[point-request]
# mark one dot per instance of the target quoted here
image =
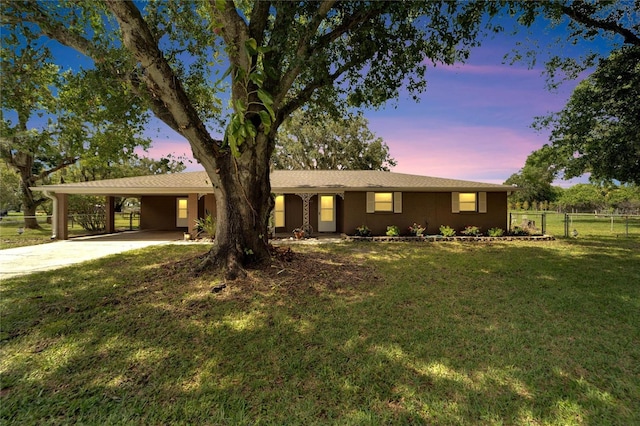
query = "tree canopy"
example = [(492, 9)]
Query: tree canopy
[(598, 131), (320, 141), (51, 118), (282, 56), (534, 180)]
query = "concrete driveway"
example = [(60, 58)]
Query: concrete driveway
[(25, 260)]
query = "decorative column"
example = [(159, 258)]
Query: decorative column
[(306, 197)]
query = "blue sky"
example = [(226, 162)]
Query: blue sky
[(474, 120)]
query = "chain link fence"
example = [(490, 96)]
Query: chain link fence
[(123, 221), (575, 224)]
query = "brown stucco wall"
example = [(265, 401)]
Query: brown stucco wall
[(433, 208), (293, 219), (158, 212)]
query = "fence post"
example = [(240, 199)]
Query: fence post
[(566, 225), (626, 221), (544, 224), (510, 219), (130, 221)]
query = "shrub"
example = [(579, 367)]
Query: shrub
[(206, 225), (88, 212), (495, 232), (471, 231), (519, 232), (363, 231), (393, 231), (417, 230), (447, 231)]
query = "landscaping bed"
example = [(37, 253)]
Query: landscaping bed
[(438, 238)]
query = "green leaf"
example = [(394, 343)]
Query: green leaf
[(265, 97), (240, 106), (252, 46), (265, 117), (257, 77), (267, 101), (250, 128)]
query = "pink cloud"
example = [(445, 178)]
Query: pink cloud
[(457, 150)]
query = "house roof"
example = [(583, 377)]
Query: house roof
[(282, 181)]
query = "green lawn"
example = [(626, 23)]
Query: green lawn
[(448, 333), (587, 225), (9, 236)]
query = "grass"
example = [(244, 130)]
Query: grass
[(10, 238), (501, 333), (587, 225)]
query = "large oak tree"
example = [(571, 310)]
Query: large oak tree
[(281, 56), (319, 141), (598, 131), (52, 118)]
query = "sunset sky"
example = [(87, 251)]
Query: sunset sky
[(473, 122)]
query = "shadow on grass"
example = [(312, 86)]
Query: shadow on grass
[(452, 334)]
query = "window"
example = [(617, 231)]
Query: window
[(182, 208), (278, 211), (467, 201), (384, 202)]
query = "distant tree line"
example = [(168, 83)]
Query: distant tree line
[(582, 198)]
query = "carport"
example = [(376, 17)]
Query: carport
[(192, 191)]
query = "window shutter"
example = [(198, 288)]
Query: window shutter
[(397, 202), (371, 202), (455, 202), (482, 202)]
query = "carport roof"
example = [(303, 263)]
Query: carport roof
[(282, 181)]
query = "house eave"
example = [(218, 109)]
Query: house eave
[(139, 191), (133, 191), (333, 189)]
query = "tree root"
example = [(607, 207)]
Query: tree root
[(223, 261)]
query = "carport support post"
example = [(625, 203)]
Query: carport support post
[(61, 217), (192, 213), (110, 227)]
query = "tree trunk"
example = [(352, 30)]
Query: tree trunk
[(243, 203), (24, 164), (30, 221)]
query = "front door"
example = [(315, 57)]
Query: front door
[(327, 213), (182, 213)]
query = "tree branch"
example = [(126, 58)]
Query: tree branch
[(305, 94), (58, 31), (65, 163), (259, 19), (162, 84), (578, 16), (303, 51)]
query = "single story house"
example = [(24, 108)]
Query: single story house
[(326, 200)]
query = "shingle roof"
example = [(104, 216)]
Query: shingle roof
[(283, 181)]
